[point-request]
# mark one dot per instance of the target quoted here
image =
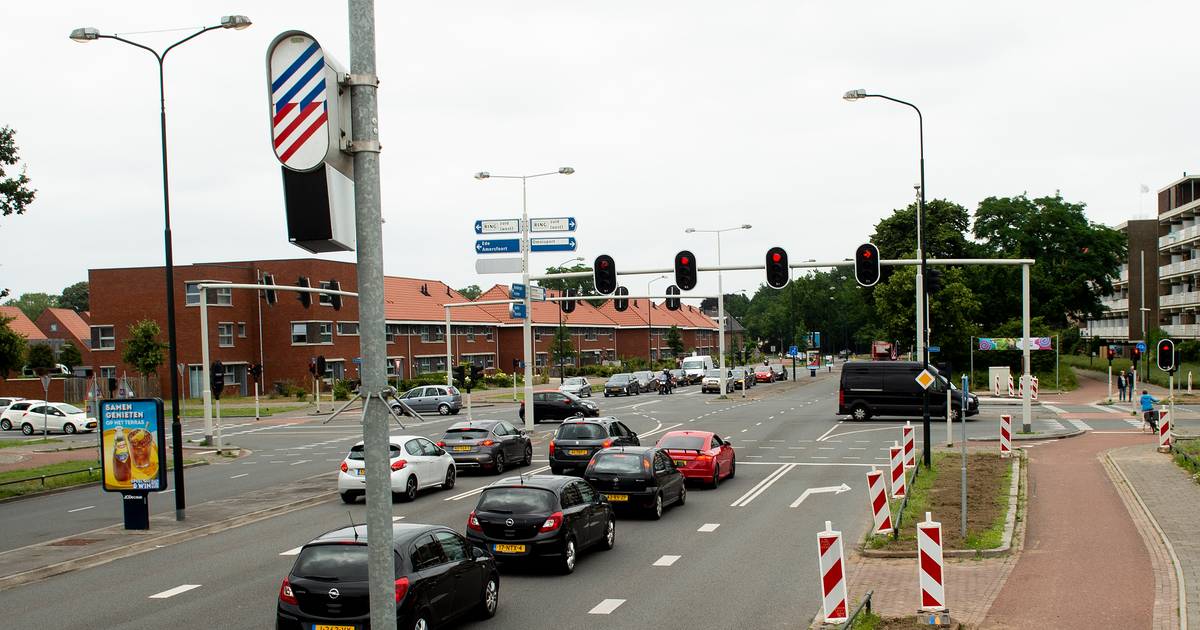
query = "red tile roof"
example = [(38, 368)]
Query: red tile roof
[(697, 317), (631, 318), (68, 320), (21, 324), (546, 312), (404, 302)]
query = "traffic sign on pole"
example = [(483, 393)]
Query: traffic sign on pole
[(516, 311), (497, 226), (552, 224), (537, 294), (498, 246), (552, 244), (498, 265), (517, 291), (793, 351)]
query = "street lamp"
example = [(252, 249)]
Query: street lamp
[(922, 296), (720, 298), (650, 322), (562, 376), (89, 34), (526, 325)]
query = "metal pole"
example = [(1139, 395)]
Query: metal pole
[(562, 375), (1057, 387), (527, 324), (720, 318), (218, 425), (1027, 394), (256, 415), (923, 323), (205, 374), (381, 568), (449, 354), (950, 415), (963, 456)]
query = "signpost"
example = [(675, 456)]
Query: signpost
[(557, 244), (933, 349), (552, 224), (537, 293), (133, 451), (497, 226), (45, 405), (517, 311), (517, 291), (925, 379), (498, 246)]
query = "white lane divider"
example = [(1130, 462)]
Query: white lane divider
[(182, 588), (1057, 410), (292, 552), (709, 527), (660, 429), (762, 486), (606, 607), (831, 430), (666, 561), (397, 518), (303, 461), (470, 493), (80, 509), (240, 476)]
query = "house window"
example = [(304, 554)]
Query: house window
[(225, 335), (53, 327), (392, 331), (537, 334), (391, 365), (470, 334), (590, 334), (325, 299), (426, 365), (482, 360), (350, 329), (312, 333), (103, 338), (324, 332), (107, 372), (242, 330), (216, 297), (489, 332), (299, 333), (432, 333)]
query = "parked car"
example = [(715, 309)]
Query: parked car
[(577, 439), (416, 463), (443, 399), (680, 378), (646, 382), (781, 373), (440, 577), (492, 444), (56, 417), (890, 388), (14, 412), (622, 385), (751, 381), (740, 378), (541, 517), (59, 370), (712, 382), (4, 403), (697, 366), (558, 405), (577, 385), (637, 477), (764, 374), (701, 455)]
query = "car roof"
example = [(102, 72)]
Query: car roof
[(401, 533), (553, 483), (707, 434), (474, 424), (396, 439), (633, 450), (586, 420)]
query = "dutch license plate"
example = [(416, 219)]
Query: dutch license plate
[(360, 471), (461, 449), (329, 627), (680, 463), (499, 548), (577, 451), (616, 498)]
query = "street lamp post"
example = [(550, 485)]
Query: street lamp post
[(526, 325), (562, 376), (650, 323), (720, 299), (922, 295), (89, 34)]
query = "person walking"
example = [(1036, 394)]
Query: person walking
[(1121, 386), (1149, 415)]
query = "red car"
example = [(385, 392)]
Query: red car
[(764, 374), (700, 455)]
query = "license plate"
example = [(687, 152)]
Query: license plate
[(681, 463), (461, 449), (577, 451), (329, 627), (509, 548), (616, 498), (360, 471)]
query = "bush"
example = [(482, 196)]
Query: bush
[(341, 389)]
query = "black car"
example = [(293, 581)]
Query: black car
[(890, 388), (558, 405), (547, 517), (491, 444), (622, 384), (577, 439), (640, 477), (679, 378), (439, 577)]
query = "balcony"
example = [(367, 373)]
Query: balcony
[(1112, 304), (1123, 275), (1182, 331), (1187, 298), (1105, 331), (1179, 237), (1179, 268)]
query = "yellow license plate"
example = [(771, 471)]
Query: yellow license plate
[(328, 627), (681, 463), (616, 498), (360, 471), (509, 548), (460, 449), (577, 451)]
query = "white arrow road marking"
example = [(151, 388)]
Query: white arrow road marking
[(471, 493), (834, 489), (709, 527), (182, 588), (666, 561), (762, 486), (651, 402), (607, 606)]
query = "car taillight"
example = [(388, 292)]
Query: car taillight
[(551, 447), (703, 458), (841, 398), (473, 523), (345, 468), (441, 443), (285, 593), (607, 443), (552, 523), (488, 442), (399, 464), (401, 589)]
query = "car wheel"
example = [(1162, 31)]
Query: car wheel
[(956, 415), (605, 395), (27, 429), (610, 535), (567, 563), (443, 409), (638, 392), (410, 489), (498, 464), (732, 467), (716, 478), (657, 511), (449, 482), (349, 497), (68, 428), (556, 470), (6, 425), (491, 598), (528, 455), (682, 495), (860, 412), (421, 621)]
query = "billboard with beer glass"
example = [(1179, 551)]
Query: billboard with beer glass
[(133, 445)]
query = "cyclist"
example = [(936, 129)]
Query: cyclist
[(1148, 413)]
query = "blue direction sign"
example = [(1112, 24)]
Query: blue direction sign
[(552, 244), (517, 291), (498, 246), (497, 226), (933, 349), (516, 311), (552, 224)]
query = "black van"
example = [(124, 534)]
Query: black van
[(890, 388)]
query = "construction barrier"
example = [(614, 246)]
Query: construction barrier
[(908, 439), (833, 574), (1005, 436), (1010, 386), (897, 453), (1021, 387), (881, 510), (930, 567), (996, 386), (1164, 430), (1033, 391)]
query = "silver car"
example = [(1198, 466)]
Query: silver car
[(577, 385), (444, 399)]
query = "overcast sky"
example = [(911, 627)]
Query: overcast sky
[(673, 113)]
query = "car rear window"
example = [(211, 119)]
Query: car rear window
[(617, 463), (620, 378), (65, 408), (332, 563), (527, 500), (683, 442), (356, 452), (581, 431), (466, 434)]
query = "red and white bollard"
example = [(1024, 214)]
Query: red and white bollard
[(833, 574), (930, 568), (1164, 430), (898, 478), (908, 439), (1033, 391), (1005, 436), (1010, 386), (996, 386), (1021, 387), (881, 510)]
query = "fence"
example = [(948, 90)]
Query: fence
[(89, 470), (74, 389)]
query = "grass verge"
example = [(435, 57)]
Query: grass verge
[(20, 443), (61, 481), (1187, 456), (242, 412)]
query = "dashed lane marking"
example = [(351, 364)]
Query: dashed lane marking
[(182, 588), (709, 527), (666, 561), (303, 461), (470, 493), (606, 607), (293, 551), (80, 509), (240, 476)]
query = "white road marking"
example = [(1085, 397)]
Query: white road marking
[(182, 588), (660, 429), (607, 606), (303, 461), (397, 518), (709, 527), (831, 430), (762, 486), (1080, 424), (834, 489), (666, 561), (471, 493), (1054, 409), (643, 404), (856, 448), (797, 448), (292, 552), (1055, 424), (80, 509), (241, 475), (1106, 408)]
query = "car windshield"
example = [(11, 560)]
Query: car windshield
[(465, 434), (65, 408), (712, 373), (581, 431), (739, 372), (576, 381), (332, 563), (526, 500), (683, 442), (763, 371), (356, 452), (620, 378), (693, 364), (617, 463)]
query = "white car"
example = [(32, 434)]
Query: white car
[(577, 385), (14, 411), (5, 401), (416, 463), (55, 416)]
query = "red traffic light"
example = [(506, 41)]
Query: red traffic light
[(1166, 347), (684, 260), (604, 264), (866, 254), (775, 257)]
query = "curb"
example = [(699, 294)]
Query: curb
[(1025, 438), (60, 490)]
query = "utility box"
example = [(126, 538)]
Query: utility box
[(998, 380)]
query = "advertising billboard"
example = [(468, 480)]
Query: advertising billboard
[(133, 445)]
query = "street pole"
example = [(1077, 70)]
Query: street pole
[(1027, 394), (205, 375), (381, 570), (720, 317), (449, 354), (963, 456), (650, 323), (527, 324)]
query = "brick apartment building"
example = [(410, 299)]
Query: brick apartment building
[(61, 326)]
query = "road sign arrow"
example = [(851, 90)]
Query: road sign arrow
[(834, 489), (479, 227), (571, 224), (478, 245)]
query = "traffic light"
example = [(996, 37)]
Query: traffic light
[(933, 281), (1166, 355), (685, 271), (217, 379), (335, 300), (866, 264), (621, 303), (604, 274), (476, 377), (256, 371), (567, 306), (271, 295), (672, 302), (460, 375), (778, 273), (305, 298), (1135, 355), (1112, 354)]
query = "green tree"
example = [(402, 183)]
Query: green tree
[(40, 358), (143, 350), (470, 292), (946, 226), (953, 313), (75, 297), (69, 355), (33, 304), (561, 348), (15, 193), (675, 341), (12, 349)]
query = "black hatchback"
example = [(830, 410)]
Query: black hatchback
[(548, 517), (439, 577), (639, 477), (577, 439)]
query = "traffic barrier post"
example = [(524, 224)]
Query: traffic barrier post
[(1010, 386), (930, 567), (833, 574), (881, 510), (1021, 387), (898, 480), (1005, 436), (909, 441), (1033, 391), (1164, 430), (996, 386)]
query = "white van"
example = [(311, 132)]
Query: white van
[(695, 367)]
